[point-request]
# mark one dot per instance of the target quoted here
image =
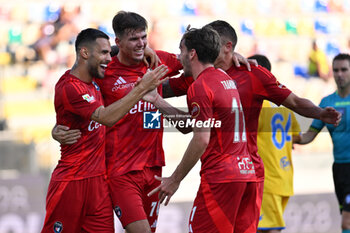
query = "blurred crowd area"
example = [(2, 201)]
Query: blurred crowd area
[(37, 46)]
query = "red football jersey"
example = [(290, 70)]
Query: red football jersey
[(179, 85), (213, 98), (75, 101), (254, 87), (129, 146)]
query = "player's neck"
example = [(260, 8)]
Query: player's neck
[(198, 68), (81, 73), (225, 63), (127, 61), (344, 92)]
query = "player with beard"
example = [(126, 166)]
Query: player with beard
[(78, 199), (134, 154)]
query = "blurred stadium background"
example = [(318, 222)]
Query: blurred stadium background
[(37, 46)]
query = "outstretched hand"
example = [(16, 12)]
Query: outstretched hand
[(166, 189), (153, 78), (330, 116)]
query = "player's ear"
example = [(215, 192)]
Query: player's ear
[(192, 54), (117, 41), (228, 47), (84, 52)]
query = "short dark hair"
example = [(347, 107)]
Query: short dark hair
[(88, 36), (342, 56), (206, 42), (114, 50), (225, 30), (262, 60), (124, 22)]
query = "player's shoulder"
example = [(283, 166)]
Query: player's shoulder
[(163, 55), (71, 85), (198, 85), (210, 79), (261, 72), (67, 79), (113, 64), (66, 85), (242, 72), (329, 98), (332, 95), (212, 75), (72, 81)]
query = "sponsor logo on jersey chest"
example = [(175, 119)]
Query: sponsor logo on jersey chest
[(120, 83)]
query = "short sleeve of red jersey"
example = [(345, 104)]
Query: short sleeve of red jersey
[(79, 100), (170, 60), (200, 102), (180, 85), (267, 86)]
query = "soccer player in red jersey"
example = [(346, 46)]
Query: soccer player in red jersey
[(254, 87), (78, 199), (134, 154), (227, 187)]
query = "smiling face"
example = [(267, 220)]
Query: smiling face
[(132, 46), (341, 72), (99, 58)]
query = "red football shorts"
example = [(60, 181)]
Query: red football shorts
[(79, 206), (129, 196), (218, 206), (248, 217)]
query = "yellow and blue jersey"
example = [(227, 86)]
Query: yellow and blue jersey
[(277, 125)]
